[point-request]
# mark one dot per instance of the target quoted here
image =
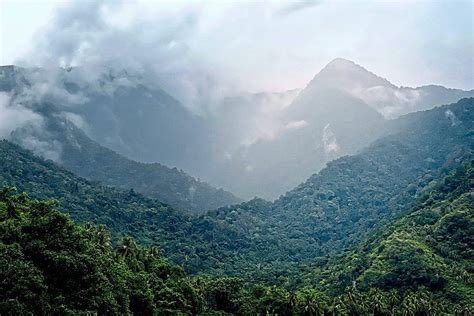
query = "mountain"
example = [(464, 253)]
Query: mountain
[(118, 109), (332, 210), (418, 264), (86, 158), (380, 94), (250, 144), (339, 112), (431, 248), (58, 137), (355, 195)]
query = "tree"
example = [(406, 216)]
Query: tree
[(128, 247), (312, 302)]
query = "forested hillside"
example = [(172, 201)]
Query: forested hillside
[(430, 248), (352, 197), (420, 265), (355, 195), (123, 212)]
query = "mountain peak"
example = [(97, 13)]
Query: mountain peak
[(340, 62), (347, 75)]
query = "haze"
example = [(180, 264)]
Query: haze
[(264, 46)]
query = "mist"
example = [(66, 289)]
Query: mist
[(218, 90), (295, 157)]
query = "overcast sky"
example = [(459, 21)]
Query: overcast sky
[(271, 46)]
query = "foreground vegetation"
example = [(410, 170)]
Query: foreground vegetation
[(420, 265), (388, 231)]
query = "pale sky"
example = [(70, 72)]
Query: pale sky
[(271, 46)]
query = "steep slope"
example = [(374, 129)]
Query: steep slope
[(348, 190), (430, 247), (86, 158), (182, 237), (250, 144), (58, 134), (343, 109), (354, 195)]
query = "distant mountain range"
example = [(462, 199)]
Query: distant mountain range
[(338, 113), (59, 138), (250, 144)]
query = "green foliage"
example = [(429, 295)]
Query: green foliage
[(428, 250), (50, 265), (403, 218), (352, 197), (200, 243)]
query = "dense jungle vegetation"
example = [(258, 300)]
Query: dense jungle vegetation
[(386, 231), (420, 265)]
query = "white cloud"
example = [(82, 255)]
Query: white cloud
[(391, 102), (256, 48), (14, 116), (452, 117), (329, 140), (295, 125), (48, 149)]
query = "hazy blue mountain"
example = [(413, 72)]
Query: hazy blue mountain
[(84, 157), (119, 110), (60, 137), (336, 114), (250, 144), (388, 99)]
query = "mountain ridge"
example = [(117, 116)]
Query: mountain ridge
[(88, 159), (263, 241), (243, 142)]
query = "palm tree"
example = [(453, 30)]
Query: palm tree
[(128, 247), (355, 301), (377, 300), (292, 300), (339, 307), (392, 300), (99, 235), (426, 302), (313, 303), (103, 237), (410, 304), (155, 252)]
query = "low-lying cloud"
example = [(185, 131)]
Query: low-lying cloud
[(155, 46), (14, 115)]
